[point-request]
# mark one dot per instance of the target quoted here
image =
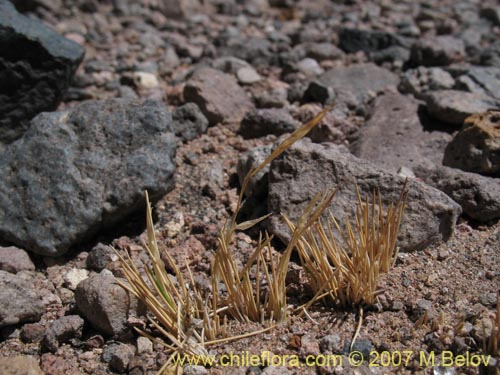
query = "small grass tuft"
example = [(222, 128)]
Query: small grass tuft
[(348, 273)]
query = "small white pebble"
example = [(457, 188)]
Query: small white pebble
[(74, 276)]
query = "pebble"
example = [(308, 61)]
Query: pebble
[(309, 67), (248, 75), (74, 276)]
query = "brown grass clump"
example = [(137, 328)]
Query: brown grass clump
[(181, 313), (491, 344), (246, 299), (347, 273), (187, 318)]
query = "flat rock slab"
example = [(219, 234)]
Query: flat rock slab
[(36, 66), (76, 172), (453, 107), (360, 80), (20, 302), (307, 168), (395, 137), (218, 95)]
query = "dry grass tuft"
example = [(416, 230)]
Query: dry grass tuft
[(181, 313), (491, 345), (247, 298), (348, 273), (190, 320)]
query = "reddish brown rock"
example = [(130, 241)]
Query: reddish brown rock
[(218, 95)]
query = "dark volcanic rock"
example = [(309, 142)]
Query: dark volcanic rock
[(354, 40), (20, 302), (78, 171), (362, 81), (476, 147), (106, 305), (453, 107), (420, 81), (437, 51), (218, 95), (262, 122), (36, 66), (308, 168), (62, 330), (189, 121)]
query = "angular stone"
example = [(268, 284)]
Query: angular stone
[(189, 121), (476, 147), (483, 80), (360, 80), (453, 107), (62, 330), (308, 168), (106, 305), (354, 40), (479, 196), (437, 51), (36, 66), (261, 122), (20, 302), (14, 260), (218, 95), (394, 138), (420, 81), (79, 171)]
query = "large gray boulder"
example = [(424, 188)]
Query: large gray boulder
[(79, 171), (307, 168), (36, 66)]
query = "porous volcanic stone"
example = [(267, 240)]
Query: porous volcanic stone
[(36, 66), (189, 121), (476, 147), (78, 171), (307, 168), (218, 95), (20, 302), (354, 40)]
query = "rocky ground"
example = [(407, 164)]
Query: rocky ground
[(180, 98)]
